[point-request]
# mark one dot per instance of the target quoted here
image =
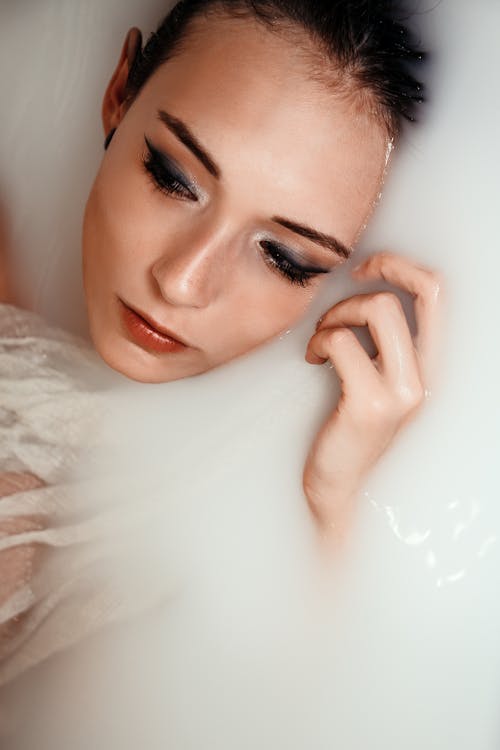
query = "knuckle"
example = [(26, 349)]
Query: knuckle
[(382, 257), (386, 302), (431, 280), (338, 336), (411, 397), (385, 256), (435, 283)]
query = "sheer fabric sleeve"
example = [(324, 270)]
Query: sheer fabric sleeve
[(66, 535)]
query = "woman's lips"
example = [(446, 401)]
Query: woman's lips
[(146, 334)]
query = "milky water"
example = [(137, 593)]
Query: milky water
[(394, 644)]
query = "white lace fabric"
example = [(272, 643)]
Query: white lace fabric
[(51, 403)]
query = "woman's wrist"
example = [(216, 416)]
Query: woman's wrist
[(331, 501)]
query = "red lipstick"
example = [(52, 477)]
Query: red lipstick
[(147, 335)]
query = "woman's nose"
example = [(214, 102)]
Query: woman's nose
[(191, 271)]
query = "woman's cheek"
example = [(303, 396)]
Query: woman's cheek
[(124, 217), (264, 308)]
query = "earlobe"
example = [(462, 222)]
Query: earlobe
[(113, 104)]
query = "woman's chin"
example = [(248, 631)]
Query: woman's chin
[(142, 366)]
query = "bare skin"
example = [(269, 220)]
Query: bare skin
[(194, 262), (379, 395)]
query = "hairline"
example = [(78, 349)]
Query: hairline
[(322, 67)]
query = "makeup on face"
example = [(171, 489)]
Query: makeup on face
[(227, 197), (166, 174), (168, 177), (144, 333)]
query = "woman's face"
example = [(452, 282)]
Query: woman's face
[(232, 180)]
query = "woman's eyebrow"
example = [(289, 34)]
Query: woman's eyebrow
[(185, 135), (326, 240)]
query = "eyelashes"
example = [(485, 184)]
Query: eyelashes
[(166, 177), (277, 258)]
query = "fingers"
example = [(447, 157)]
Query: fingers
[(383, 313), (424, 284), (352, 364)]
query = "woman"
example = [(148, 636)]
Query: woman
[(246, 147)]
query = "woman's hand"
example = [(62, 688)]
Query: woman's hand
[(378, 395)]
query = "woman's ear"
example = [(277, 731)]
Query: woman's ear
[(113, 104)]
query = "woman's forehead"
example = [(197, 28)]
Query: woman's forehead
[(241, 71), (266, 121)]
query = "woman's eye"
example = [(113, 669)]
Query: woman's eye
[(165, 176), (276, 257)]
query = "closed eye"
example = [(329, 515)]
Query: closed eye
[(169, 179), (277, 257), (165, 174)]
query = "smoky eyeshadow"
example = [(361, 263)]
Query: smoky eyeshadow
[(169, 166), (294, 258)]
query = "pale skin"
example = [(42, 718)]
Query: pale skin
[(378, 396), (194, 262)]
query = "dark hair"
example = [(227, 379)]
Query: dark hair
[(369, 51)]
